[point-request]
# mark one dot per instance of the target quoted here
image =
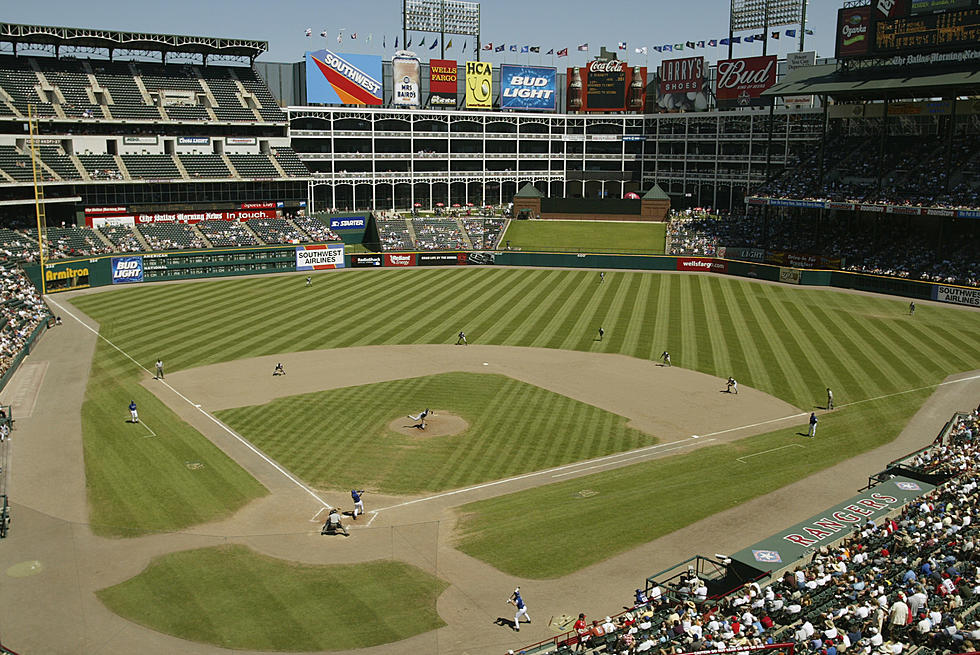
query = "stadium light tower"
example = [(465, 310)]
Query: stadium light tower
[(442, 17), (763, 14)]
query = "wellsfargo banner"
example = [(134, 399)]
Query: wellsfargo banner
[(740, 82), (443, 82), (343, 79), (704, 264)]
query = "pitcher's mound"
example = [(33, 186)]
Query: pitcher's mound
[(439, 423)]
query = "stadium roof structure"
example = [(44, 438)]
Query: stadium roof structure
[(933, 81), (77, 37)]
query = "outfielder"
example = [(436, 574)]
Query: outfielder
[(830, 398), (518, 602), (132, 412), (309, 281)]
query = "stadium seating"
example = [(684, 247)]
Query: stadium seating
[(254, 166), (205, 166), (171, 236), (277, 230), (315, 228), (71, 242), (21, 312), (101, 167), (290, 162), (483, 233), (222, 234), (151, 167), (394, 235), (122, 238), (437, 234), (59, 162), (16, 246)]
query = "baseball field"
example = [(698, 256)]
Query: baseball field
[(539, 424)]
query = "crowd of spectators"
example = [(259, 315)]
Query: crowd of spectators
[(437, 234), (865, 246), (954, 456), (227, 234), (21, 311), (316, 228), (906, 584)]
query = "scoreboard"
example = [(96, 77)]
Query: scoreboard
[(955, 30)]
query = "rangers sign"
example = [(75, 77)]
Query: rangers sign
[(320, 257), (740, 82)]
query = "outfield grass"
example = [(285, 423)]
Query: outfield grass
[(514, 428), (587, 236), (235, 598), (139, 481), (634, 505), (787, 341)]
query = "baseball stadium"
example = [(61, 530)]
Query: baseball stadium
[(374, 354)]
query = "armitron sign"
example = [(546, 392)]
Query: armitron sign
[(740, 82)]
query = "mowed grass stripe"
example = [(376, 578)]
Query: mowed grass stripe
[(660, 321), (621, 298), (634, 314), (587, 317), (721, 360), (531, 307)]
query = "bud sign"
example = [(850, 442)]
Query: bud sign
[(528, 88), (740, 82), (127, 269)]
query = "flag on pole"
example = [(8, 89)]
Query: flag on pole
[(736, 39), (396, 43), (488, 46), (760, 37), (550, 52), (622, 45), (449, 44), (658, 48), (678, 46), (690, 44), (700, 44), (584, 47), (309, 31), (464, 45), (749, 39), (536, 48), (775, 35), (353, 36), (384, 42), (513, 48), (408, 44), (713, 43), (340, 37), (725, 42), (370, 36), (435, 42), (790, 33), (808, 32), (525, 48), (421, 43), (323, 34), (499, 48), (563, 52), (668, 48)]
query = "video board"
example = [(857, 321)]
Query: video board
[(955, 30)]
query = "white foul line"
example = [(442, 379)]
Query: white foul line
[(771, 450), (198, 407), (152, 433)]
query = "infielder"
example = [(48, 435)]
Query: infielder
[(813, 425), (358, 503), (732, 385), (461, 339), (830, 398), (421, 416), (159, 369), (666, 357), (601, 332), (279, 370), (135, 417), (518, 602)]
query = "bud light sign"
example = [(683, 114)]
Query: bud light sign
[(528, 87), (127, 269), (348, 223)]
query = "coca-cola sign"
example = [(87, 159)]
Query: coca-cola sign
[(606, 85), (740, 82)]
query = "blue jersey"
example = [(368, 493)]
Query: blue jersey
[(518, 601), (132, 407), (356, 495), (813, 419)]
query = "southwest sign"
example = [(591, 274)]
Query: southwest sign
[(343, 79)]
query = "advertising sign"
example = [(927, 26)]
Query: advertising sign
[(853, 31), (406, 80), (606, 85), (440, 259), (193, 141), (443, 79), (796, 61), (704, 264), (528, 87), (740, 82), (366, 261), (953, 32), (105, 210), (888, 9), (126, 270), (789, 275), (400, 260), (319, 257), (348, 223), (240, 140), (140, 140), (343, 79), (958, 295), (681, 85), (479, 85)]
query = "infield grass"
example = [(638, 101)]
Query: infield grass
[(514, 428), (254, 602), (587, 236), (787, 341)]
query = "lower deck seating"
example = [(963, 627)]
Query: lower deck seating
[(171, 236)]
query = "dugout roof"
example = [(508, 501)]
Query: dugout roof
[(933, 81), (787, 546), (80, 37)]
